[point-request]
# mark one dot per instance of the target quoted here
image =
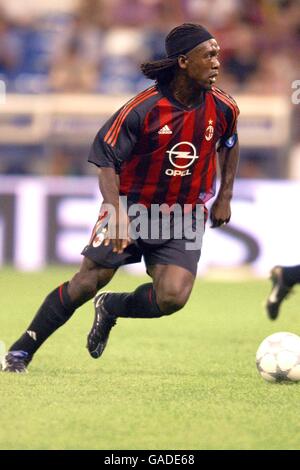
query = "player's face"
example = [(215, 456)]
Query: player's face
[(202, 63)]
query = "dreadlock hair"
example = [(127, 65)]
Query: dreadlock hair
[(160, 70), (179, 41)]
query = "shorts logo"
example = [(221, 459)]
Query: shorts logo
[(98, 240), (181, 156), (209, 132), (100, 230)]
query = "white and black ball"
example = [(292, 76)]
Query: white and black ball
[(278, 358)]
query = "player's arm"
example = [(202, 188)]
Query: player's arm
[(112, 146), (228, 161)]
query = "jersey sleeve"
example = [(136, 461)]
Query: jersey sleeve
[(115, 140), (230, 136)]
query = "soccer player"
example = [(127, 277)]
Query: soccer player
[(159, 148), (283, 279)]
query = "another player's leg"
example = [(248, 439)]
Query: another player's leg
[(57, 308), (283, 279), (167, 294)]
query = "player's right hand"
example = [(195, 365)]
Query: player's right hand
[(117, 232)]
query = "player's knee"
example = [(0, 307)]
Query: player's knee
[(104, 276), (86, 283), (171, 300)]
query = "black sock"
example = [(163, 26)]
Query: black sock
[(56, 309), (138, 304), (291, 275)]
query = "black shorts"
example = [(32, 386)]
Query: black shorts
[(172, 251)]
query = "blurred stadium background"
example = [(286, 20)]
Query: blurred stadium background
[(67, 65)]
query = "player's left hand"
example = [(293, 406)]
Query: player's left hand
[(220, 212)]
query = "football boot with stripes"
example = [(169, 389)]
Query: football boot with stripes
[(103, 323), (15, 361)]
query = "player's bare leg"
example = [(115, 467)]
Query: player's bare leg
[(173, 286), (167, 294), (56, 309), (86, 283)]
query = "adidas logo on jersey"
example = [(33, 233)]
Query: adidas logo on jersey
[(165, 130)]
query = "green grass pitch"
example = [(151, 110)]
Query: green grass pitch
[(187, 381)]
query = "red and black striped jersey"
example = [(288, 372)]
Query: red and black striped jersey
[(163, 151)]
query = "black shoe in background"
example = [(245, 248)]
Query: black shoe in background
[(279, 292)]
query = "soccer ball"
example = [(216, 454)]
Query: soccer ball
[(278, 358)]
